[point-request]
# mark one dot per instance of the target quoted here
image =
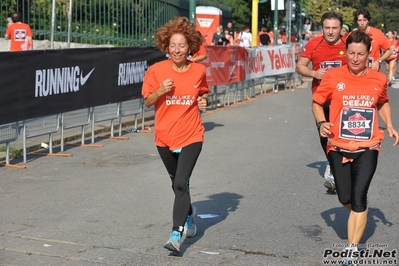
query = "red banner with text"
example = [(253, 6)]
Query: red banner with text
[(224, 65)]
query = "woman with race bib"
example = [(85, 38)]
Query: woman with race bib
[(357, 94)]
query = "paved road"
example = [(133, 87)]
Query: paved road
[(260, 171)]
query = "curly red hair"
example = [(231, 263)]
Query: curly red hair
[(180, 25)]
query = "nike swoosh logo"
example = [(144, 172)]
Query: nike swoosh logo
[(83, 79), (376, 89)]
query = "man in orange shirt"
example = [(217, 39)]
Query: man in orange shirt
[(19, 33), (362, 17), (324, 52)]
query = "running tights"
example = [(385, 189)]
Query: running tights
[(323, 140), (180, 166), (352, 179)]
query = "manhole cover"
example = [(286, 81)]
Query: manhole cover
[(121, 160)]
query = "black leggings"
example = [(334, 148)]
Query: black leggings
[(323, 140), (352, 179), (180, 166)]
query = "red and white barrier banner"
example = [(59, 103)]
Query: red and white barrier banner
[(39, 83), (269, 61), (226, 65)]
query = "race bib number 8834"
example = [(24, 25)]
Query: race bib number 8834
[(356, 123)]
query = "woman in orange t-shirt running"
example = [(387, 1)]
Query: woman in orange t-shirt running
[(178, 90), (357, 94)]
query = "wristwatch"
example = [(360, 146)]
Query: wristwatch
[(320, 123), (379, 61)]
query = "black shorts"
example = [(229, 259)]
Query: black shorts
[(352, 179)]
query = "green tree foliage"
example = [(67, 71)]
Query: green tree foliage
[(347, 14), (327, 6), (317, 8), (384, 13)]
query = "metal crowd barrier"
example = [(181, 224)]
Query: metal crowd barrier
[(109, 112), (221, 95), (144, 109), (38, 127), (225, 95), (131, 108), (9, 133), (76, 119)]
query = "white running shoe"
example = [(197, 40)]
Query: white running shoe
[(327, 172), (330, 184), (349, 260)]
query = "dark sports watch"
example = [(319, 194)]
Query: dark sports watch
[(320, 123)]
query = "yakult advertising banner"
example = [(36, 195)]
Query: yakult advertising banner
[(230, 64), (269, 61)]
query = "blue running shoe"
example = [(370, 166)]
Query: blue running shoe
[(190, 228), (174, 242)]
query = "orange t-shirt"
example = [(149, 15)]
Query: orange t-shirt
[(322, 54), (283, 38), (200, 52), (178, 121), (271, 34), (394, 46), (379, 42), (18, 32), (353, 108)]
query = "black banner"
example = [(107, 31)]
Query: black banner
[(40, 83)]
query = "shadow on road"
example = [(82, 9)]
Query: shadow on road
[(321, 166), (220, 205), (211, 125), (337, 219)]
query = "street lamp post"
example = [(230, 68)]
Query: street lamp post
[(289, 6), (300, 22), (193, 6), (275, 21)]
